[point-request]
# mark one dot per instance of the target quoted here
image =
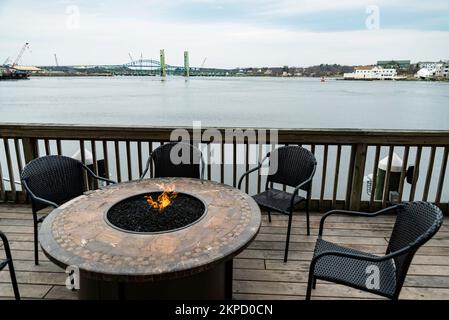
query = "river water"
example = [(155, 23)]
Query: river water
[(242, 102)]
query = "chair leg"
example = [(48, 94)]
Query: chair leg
[(269, 216), (10, 265), (12, 274), (36, 240), (309, 286), (307, 213), (288, 236), (314, 283)]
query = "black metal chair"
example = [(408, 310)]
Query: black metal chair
[(416, 223), (293, 166), (188, 166), (8, 262), (51, 181)]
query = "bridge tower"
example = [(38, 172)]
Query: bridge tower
[(186, 64), (162, 61)]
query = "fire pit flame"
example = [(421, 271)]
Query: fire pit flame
[(164, 199)]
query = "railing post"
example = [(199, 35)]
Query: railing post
[(357, 178), (30, 149)]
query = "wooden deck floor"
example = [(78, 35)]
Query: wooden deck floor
[(259, 272)]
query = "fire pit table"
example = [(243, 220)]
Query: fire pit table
[(125, 246)]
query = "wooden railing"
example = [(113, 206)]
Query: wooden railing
[(344, 158)]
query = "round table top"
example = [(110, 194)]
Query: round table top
[(77, 233)]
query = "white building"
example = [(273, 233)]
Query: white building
[(444, 71), (372, 73), (433, 69), (429, 65), (423, 73)]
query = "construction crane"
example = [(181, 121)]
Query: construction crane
[(204, 61), (56, 60), (25, 46), (141, 59), (129, 54)]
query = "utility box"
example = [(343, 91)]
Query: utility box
[(395, 175)]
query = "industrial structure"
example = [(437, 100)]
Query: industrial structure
[(14, 71), (139, 67)]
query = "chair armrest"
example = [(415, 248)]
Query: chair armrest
[(105, 179), (353, 213), (348, 255), (302, 184), (92, 174), (247, 173), (358, 256), (259, 165), (203, 166), (7, 250), (36, 198), (147, 166), (3, 237)]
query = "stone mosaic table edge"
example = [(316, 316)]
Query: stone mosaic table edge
[(235, 234)]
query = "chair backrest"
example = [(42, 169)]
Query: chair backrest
[(291, 165), (54, 178), (171, 160), (416, 223)]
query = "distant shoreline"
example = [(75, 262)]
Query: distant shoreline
[(338, 78)]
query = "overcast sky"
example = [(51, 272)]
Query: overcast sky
[(230, 33)]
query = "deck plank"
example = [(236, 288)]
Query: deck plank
[(259, 271)]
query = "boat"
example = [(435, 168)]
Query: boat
[(17, 72)]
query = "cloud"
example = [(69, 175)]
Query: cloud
[(106, 37), (294, 7)]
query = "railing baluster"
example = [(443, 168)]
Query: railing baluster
[(106, 158), (415, 173), (150, 151), (429, 174), (10, 169), (128, 160), (403, 172), (222, 164), (284, 187), (2, 185), (21, 195), (18, 156), (234, 163), (387, 177), (337, 173), (82, 152), (442, 175), (59, 147), (47, 147), (209, 161), (83, 160), (350, 173), (94, 162), (312, 149), (139, 157), (323, 176), (117, 161), (374, 181), (247, 166), (260, 157)]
